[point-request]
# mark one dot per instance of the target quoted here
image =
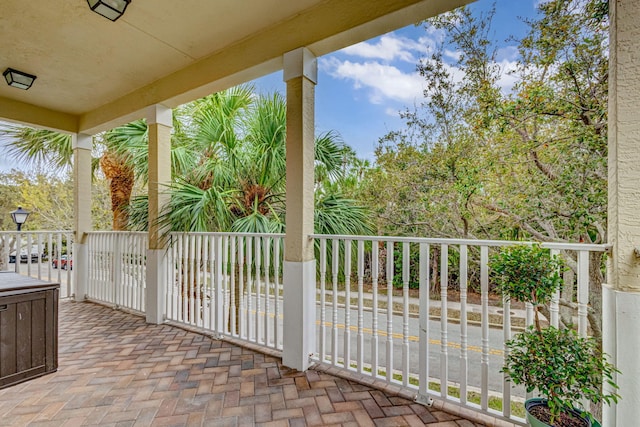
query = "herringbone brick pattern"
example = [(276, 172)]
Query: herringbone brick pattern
[(116, 370)]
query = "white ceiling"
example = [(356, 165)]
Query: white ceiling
[(93, 73)]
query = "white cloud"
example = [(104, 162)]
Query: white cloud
[(452, 54), (378, 68), (508, 52), (392, 112), (508, 76), (384, 82), (391, 47)]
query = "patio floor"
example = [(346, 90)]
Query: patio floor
[(116, 370)]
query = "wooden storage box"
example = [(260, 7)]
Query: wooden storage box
[(28, 328)]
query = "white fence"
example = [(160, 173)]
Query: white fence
[(438, 330), (45, 255), (436, 342), (117, 268), (230, 284)]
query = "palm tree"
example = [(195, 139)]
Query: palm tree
[(228, 164), (237, 179), (36, 147), (237, 182), (53, 150)]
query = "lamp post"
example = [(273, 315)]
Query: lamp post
[(19, 217)]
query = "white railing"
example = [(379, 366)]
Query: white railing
[(117, 268), (445, 347), (45, 255), (228, 283), (432, 335)]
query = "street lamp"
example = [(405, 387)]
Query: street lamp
[(19, 217)]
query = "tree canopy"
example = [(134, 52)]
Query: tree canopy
[(478, 160)]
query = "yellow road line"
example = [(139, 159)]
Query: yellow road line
[(412, 338)]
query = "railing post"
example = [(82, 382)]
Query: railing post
[(82, 145), (80, 270), (300, 73), (116, 272), (18, 251), (155, 303)]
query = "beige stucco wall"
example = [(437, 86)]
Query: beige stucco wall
[(300, 74), (624, 146), (82, 145), (159, 178)]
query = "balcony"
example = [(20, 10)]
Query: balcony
[(115, 369), (227, 291)]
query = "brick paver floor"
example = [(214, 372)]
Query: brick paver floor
[(116, 370)]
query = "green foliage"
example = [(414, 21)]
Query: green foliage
[(526, 273), (335, 214), (37, 148), (414, 262), (232, 169), (564, 368), (478, 161)]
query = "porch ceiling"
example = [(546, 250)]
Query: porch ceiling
[(94, 74)]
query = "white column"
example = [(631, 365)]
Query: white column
[(160, 122), (621, 293), (81, 145), (300, 74)]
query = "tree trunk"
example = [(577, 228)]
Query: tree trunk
[(595, 289), (121, 180), (567, 293)]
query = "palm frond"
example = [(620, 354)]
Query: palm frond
[(329, 153), (194, 209), (37, 147), (335, 214), (256, 223)]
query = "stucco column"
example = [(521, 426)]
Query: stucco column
[(300, 74), (160, 122), (82, 145), (621, 293)]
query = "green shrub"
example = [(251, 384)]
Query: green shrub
[(564, 368)]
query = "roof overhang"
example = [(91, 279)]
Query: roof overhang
[(94, 74)]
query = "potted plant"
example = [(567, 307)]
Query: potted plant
[(564, 368)]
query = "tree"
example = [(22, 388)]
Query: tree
[(237, 178), (41, 148), (534, 156), (476, 160)]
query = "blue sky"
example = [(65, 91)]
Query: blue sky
[(361, 88)]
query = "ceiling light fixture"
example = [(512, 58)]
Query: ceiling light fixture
[(18, 79), (110, 9)]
